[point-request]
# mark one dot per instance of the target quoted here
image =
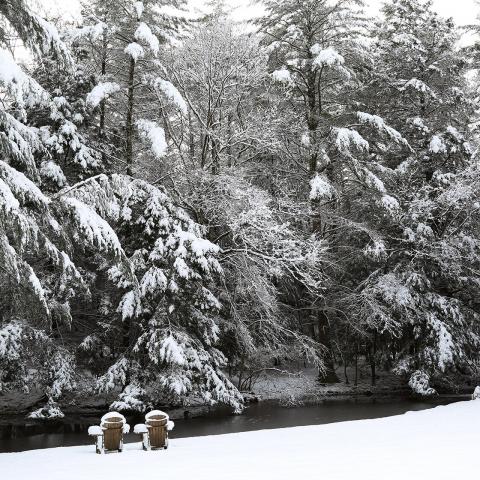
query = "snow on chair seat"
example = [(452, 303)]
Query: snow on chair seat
[(155, 430)]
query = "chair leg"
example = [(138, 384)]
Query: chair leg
[(146, 442), (99, 445)]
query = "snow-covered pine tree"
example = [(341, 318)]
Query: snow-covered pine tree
[(318, 57), (221, 72), (70, 153), (146, 285), (165, 326), (121, 42), (37, 275), (417, 296)]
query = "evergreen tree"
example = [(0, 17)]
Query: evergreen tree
[(320, 57), (417, 295), (121, 41), (113, 246)]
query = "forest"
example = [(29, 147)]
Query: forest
[(187, 201)]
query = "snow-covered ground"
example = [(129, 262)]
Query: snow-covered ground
[(302, 385), (442, 443)]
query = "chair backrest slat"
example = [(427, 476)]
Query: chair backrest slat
[(157, 430), (113, 433)]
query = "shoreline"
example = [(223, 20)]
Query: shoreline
[(13, 417), (286, 390)]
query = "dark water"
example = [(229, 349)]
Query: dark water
[(18, 434)]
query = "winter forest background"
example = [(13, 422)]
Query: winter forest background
[(187, 203)]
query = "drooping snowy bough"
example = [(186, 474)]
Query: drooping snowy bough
[(107, 273)]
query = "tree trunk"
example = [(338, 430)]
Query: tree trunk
[(229, 135), (103, 104), (215, 158), (130, 119), (329, 375), (373, 358), (356, 365), (191, 137), (205, 146)]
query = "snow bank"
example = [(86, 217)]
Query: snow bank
[(439, 444)]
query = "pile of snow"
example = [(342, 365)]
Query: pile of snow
[(139, 8), (379, 123), (172, 93), (144, 34), (101, 92), (155, 135), (108, 417), (91, 31), (134, 50), (156, 413), (437, 145), (16, 81), (321, 188), (391, 204), (140, 429), (94, 228), (327, 57), (348, 139), (95, 430), (420, 383), (48, 412), (437, 444), (171, 352), (53, 172), (282, 75)]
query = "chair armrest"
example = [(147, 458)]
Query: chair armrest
[(140, 429), (95, 431)]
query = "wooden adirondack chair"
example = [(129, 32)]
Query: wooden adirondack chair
[(155, 430), (109, 436)]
